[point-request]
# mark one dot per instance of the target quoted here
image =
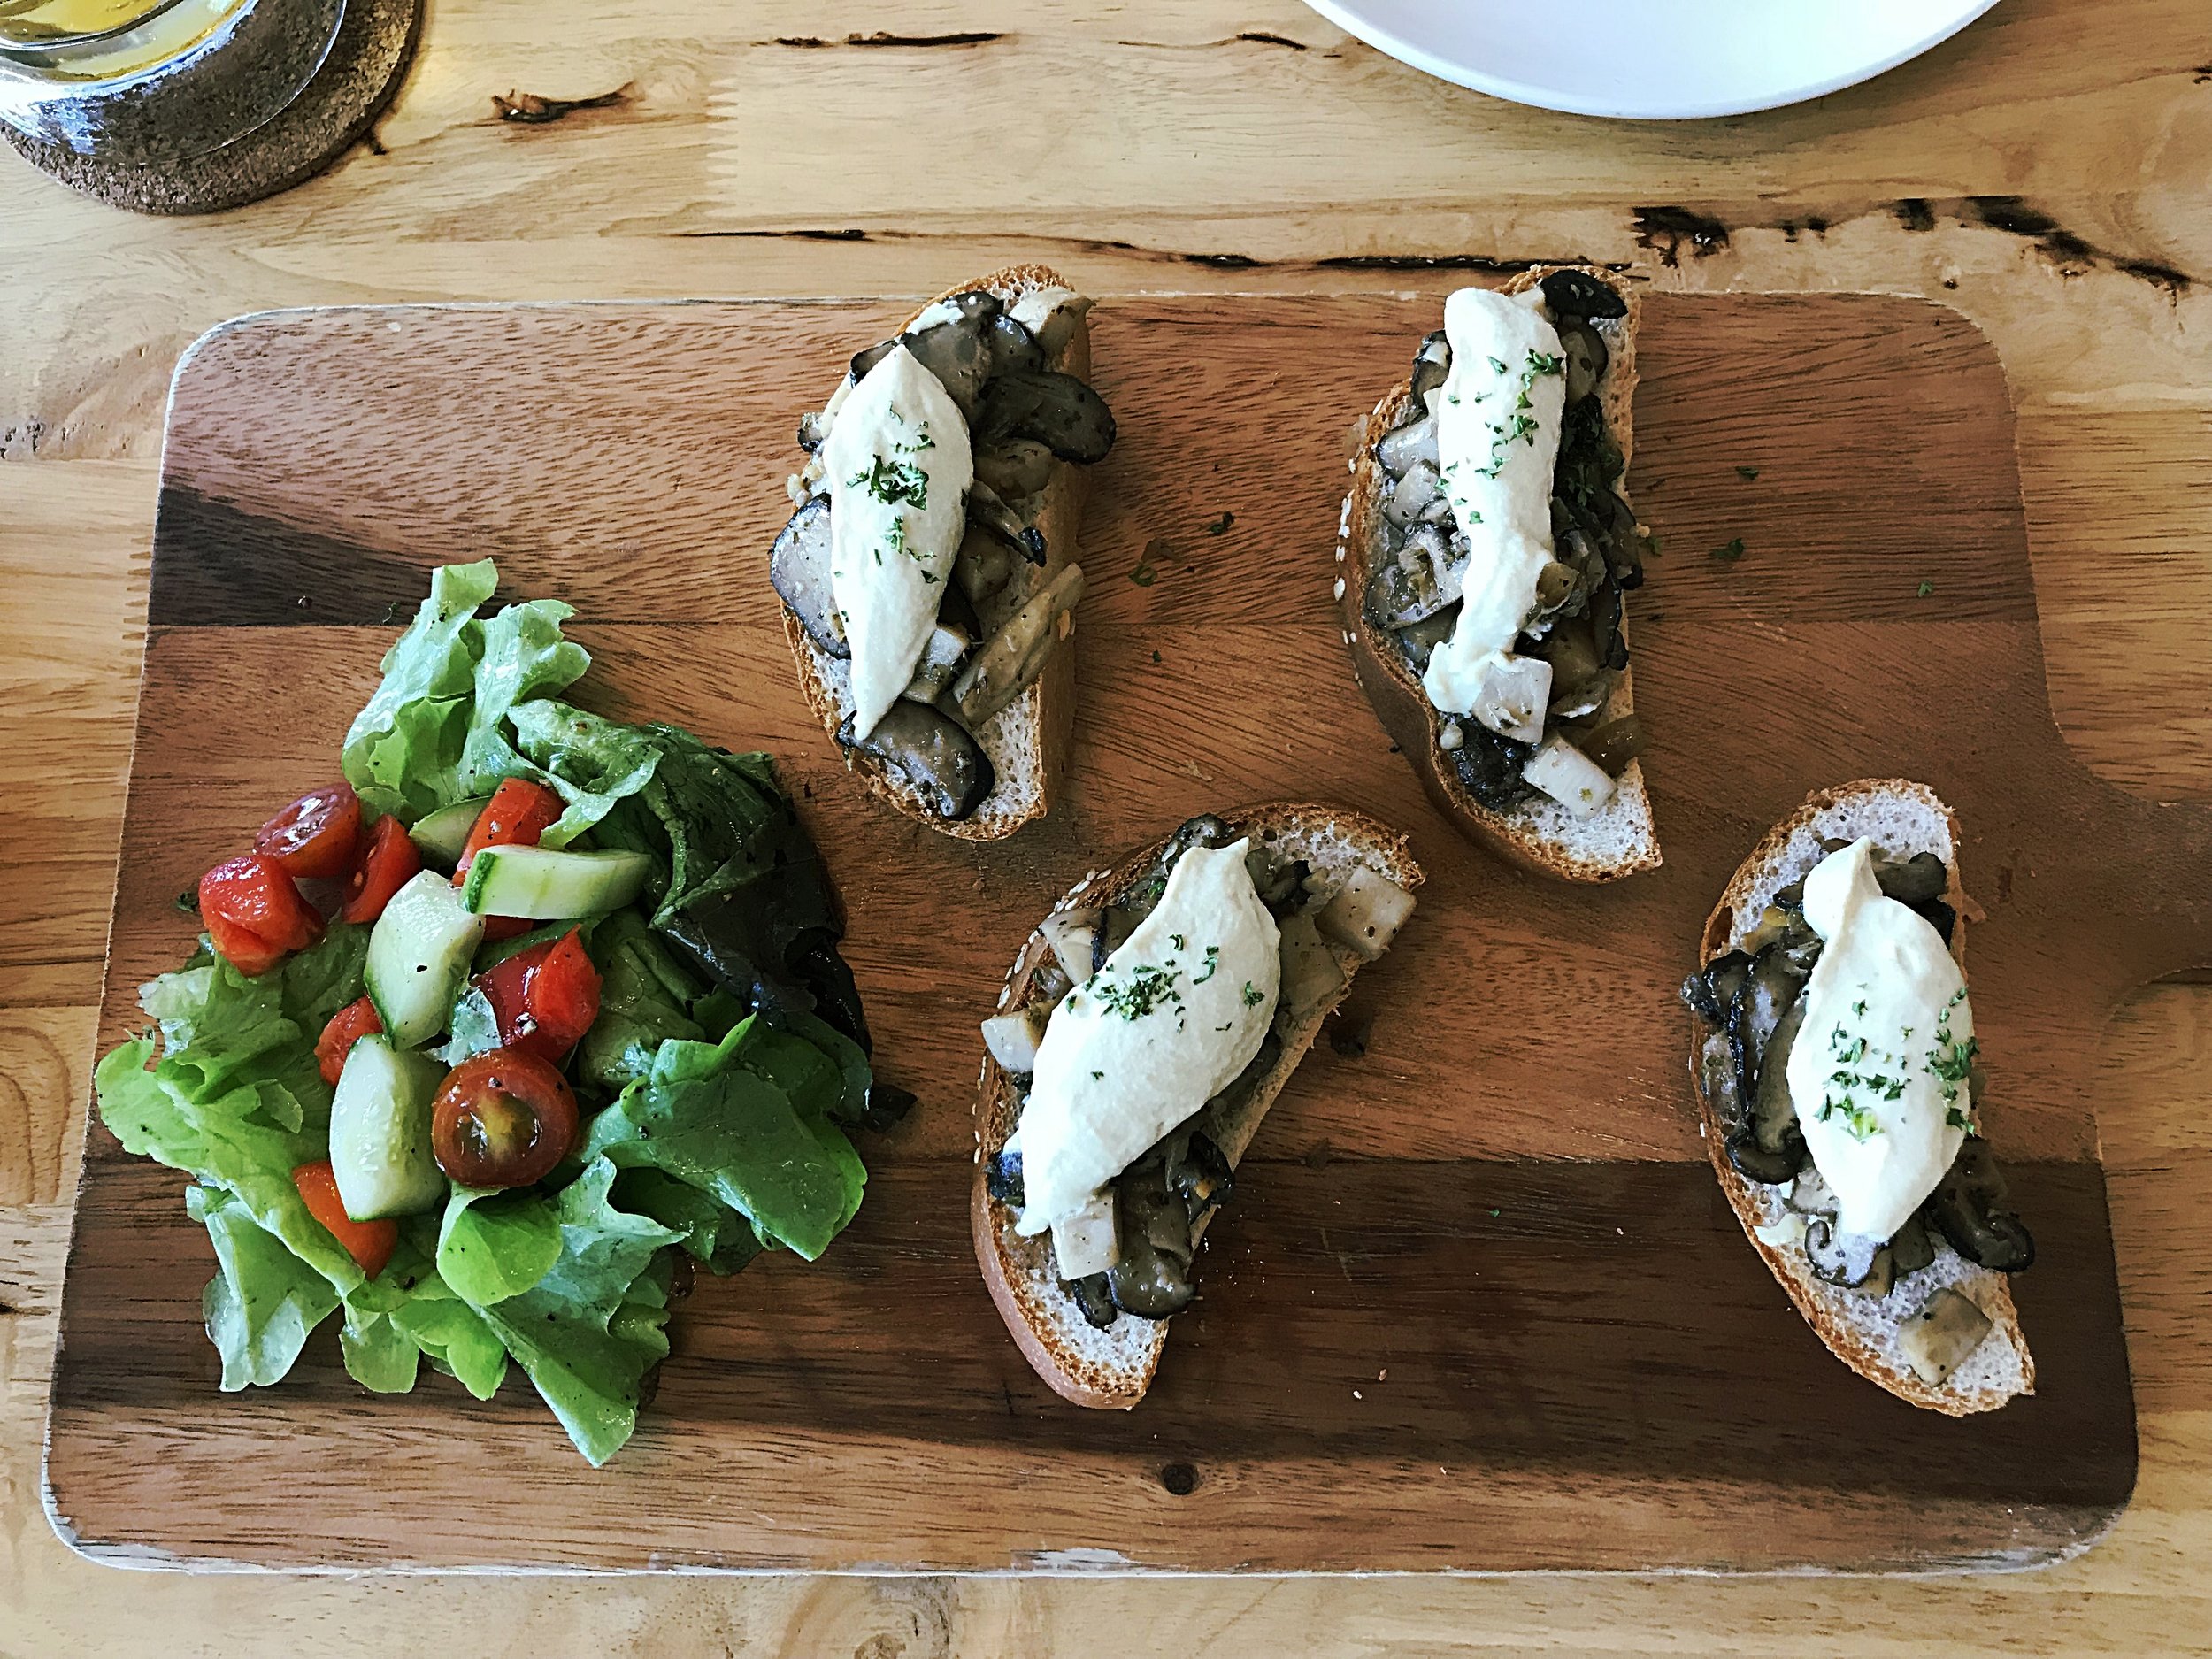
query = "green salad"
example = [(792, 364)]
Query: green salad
[(485, 1047)]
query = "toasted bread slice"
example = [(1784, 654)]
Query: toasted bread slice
[(1026, 743), (1112, 1368), (1862, 1331), (1541, 836)]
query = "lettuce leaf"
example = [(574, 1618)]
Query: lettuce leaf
[(589, 1329), (263, 1301), (718, 1116), (434, 732)]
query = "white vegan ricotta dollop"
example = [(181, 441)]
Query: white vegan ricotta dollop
[(1167, 1024), (1879, 1072), (898, 465), (1498, 418)]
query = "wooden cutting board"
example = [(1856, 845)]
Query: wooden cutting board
[(1477, 1302)]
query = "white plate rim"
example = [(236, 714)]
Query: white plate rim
[(1348, 15)]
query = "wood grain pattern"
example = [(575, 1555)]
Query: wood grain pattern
[(2093, 116), (1546, 1375)]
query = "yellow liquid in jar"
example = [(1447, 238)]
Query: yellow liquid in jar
[(153, 32)]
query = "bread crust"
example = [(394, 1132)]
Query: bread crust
[(1826, 1312), (1042, 717), (1017, 1270), (1413, 722)]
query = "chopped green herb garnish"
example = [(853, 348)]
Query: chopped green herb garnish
[(1212, 962), (1144, 576), (1729, 551), (1747, 473), (1923, 590), (1220, 526), (1253, 998), (891, 482), (1149, 988)]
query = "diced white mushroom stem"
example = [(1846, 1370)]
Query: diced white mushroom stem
[(1570, 777), (1012, 1039), (1510, 695), (1366, 912), (1084, 1244)]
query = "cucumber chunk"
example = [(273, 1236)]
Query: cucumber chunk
[(380, 1131), (546, 886), (440, 836), (419, 955)]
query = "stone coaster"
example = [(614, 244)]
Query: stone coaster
[(367, 61)]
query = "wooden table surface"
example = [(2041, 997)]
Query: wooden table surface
[(2046, 173)]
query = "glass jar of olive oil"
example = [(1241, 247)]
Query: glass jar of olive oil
[(144, 82)]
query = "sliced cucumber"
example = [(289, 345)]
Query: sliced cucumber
[(546, 886), (440, 836), (380, 1131), (419, 955)]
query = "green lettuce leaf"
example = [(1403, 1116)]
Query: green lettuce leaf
[(717, 1116), (591, 1328), (263, 1301), (593, 763), (522, 657), (716, 1236), (496, 1245), (645, 997), (405, 751)]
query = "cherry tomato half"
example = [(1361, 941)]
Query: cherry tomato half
[(389, 862), (544, 998), (370, 1243), (347, 1026), (519, 812), (254, 914), (502, 1119), (317, 835)]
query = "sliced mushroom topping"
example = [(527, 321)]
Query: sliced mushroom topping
[(1419, 639), (1116, 922), (1016, 654), (1431, 366), (1400, 450), (1771, 1139), (1422, 577), (1578, 294), (1419, 489), (1280, 882), (1160, 1201), (1055, 410), (1617, 743), (1493, 767), (1013, 347), (932, 753), (983, 565), (1913, 880), (1968, 1208), (1015, 468), (1605, 627), (945, 649), (799, 565), (1910, 1247), (1584, 349), (987, 511), (957, 345), (1710, 993), (1095, 1299), (1849, 1259)]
